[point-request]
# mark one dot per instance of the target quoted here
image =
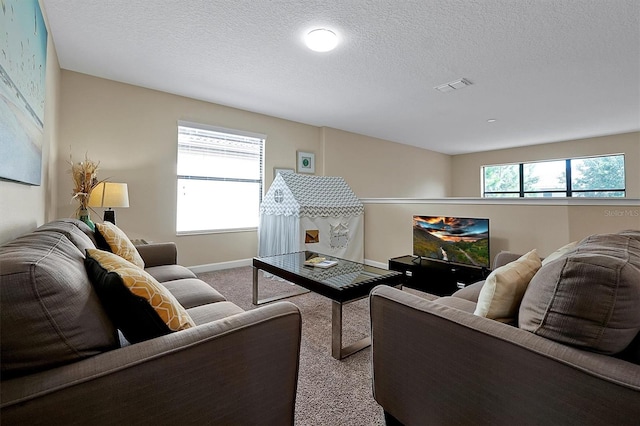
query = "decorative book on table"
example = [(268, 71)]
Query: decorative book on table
[(320, 262)]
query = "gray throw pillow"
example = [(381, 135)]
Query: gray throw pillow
[(49, 312), (588, 298), (70, 228)]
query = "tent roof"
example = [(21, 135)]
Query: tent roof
[(309, 195)]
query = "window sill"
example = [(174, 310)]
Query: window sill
[(515, 201), (215, 231)]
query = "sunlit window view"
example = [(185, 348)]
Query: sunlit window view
[(219, 180), (597, 177)]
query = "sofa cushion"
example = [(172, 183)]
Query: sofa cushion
[(83, 227), (588, 298), (457, 303), (192, 292), (213, 312), (137, 304), (559, 253), (164, 273), (70, 229), (503, 289), (49, 313), (632, 233), (119, 243), (470, 292)]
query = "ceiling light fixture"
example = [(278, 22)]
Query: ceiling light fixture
[(491, 120), (321, 40)]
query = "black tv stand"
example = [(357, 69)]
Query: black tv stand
[(436, 277)]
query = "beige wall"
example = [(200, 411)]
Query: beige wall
[(132, 132), (24, 207), (466, 168), (520, 225), (584, 220), (516, 226), (381, 169)]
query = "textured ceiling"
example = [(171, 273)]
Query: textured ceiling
[(547, 70)]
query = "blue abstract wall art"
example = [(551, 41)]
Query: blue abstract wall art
[(23, 55)]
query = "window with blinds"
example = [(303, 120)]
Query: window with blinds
[(219, 179)]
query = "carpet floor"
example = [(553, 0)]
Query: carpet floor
[(330, 392)]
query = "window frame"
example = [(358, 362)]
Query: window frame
[(568, 191), (260, 181)]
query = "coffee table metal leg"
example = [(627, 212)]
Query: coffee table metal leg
[(257, 301), (255, 285), (336, 330), (337, 351)]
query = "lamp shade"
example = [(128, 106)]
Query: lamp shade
[(109, 194)]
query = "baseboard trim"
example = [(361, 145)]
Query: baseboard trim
[(375, 264), (209, 267)]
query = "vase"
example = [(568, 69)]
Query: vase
[(83, 215)]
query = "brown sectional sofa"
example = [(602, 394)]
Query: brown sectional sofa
[(63, 361), (570, 358)]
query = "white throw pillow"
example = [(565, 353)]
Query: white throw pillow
[(504, 288), (559, 253)]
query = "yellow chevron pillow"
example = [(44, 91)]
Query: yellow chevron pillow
[(137, 304), (119, 243)]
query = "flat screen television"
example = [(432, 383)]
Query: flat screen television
[(457, 240)]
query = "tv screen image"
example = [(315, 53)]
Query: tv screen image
[(457, 240)]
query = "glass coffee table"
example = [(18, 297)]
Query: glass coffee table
[(343, 283)]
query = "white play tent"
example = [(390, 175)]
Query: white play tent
[(307, 212)]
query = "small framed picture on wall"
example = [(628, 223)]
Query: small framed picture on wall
[(306, 162)]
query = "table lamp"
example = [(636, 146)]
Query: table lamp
[(109, 195)]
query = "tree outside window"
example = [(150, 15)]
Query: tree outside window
[(579, 177), (598, 177)]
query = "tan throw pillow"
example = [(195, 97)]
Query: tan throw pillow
[(504, 288), (120, 243), (559, 253), (137, 304)]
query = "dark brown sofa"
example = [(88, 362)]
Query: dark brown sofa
[(63, 363), (436, 363)]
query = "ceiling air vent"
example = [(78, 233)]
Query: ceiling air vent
[(453, 85)]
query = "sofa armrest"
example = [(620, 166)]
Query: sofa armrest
[(434, 364), (158, 254), (503, 258), (239, 370)]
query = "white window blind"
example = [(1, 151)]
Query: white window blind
[(219, 175)]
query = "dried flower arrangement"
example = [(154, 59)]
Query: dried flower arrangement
[(85, 179)]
